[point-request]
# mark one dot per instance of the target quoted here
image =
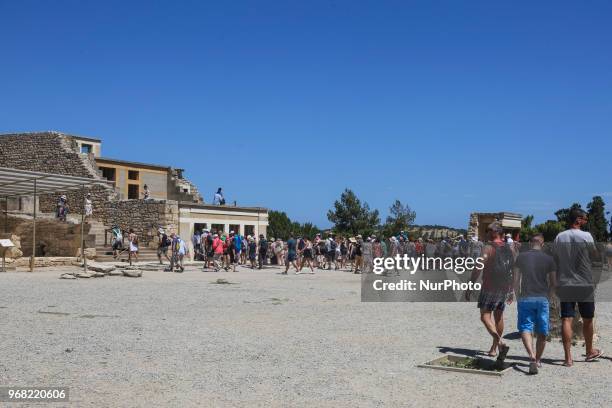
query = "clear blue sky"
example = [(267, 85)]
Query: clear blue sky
[(449, 106)]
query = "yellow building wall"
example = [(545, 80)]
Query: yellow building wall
[(156, 179)]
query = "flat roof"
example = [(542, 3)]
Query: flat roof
[(88, 139), (187, 204), (131, 163), (15, 182)]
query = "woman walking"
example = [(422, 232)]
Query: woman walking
[(133, 239), (307, 256)]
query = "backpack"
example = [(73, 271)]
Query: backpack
[(165, 241), (332, 246), (501, 268)]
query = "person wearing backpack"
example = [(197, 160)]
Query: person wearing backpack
[(164, 244), (497, 288), (117, 241), (263, 250), (330, 248)]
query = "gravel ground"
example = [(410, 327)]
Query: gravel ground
[(176, 340)]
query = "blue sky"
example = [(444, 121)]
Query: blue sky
[(449, 106)]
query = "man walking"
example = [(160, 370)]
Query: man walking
[(496, 288), (263, 250), (291, 255), (574, 250), (162, 247), (237, 244), (534, 283)]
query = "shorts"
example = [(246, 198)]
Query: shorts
[(330, 256), (586, 309), (162, 251), (533, 315), (307, 254), (493, 300), (291, 256), (117, 245)]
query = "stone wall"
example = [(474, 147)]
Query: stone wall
[(53, 152), (433, 233), (53, 238), (144, 216)]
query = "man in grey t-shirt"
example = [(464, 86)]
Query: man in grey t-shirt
[(573, 251), (534, 281)]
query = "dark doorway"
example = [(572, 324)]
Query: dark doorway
[(133, 191)]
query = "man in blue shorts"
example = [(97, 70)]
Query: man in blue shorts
[(534, 281)]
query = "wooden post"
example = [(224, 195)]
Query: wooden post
[(6, 215), (83, 258), (33, 259)]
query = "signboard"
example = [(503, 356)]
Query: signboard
[(6, 243)]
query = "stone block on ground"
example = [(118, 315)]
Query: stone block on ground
[(67, 276), (115, 273), (84, 275), (132, 273), (100, 267)]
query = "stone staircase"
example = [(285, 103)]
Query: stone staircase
[(105, 254), (98, 229), (104, 250)]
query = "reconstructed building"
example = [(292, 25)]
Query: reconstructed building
[(175, 203), (510, 222)]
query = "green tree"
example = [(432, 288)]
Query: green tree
[(309, 230), (527, 230), (597, 224), (279, 225), (399, 219), (550, 229), (350, 217)]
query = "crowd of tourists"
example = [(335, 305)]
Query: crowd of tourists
[(220, 250), (530, 273)]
